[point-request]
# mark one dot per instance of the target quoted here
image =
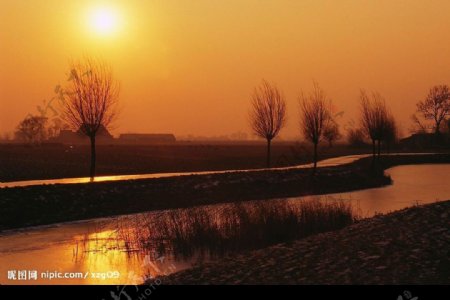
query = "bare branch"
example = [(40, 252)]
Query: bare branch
[(374, 115), (315, 114), (92, 96), (436, 106), (315, 117), (92, 100), (268, 112)]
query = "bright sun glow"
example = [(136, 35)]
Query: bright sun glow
[(103, 21)]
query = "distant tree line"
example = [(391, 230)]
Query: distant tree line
[(34, 129)]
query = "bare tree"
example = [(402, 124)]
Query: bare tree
[(391, 132), (436, 106), (314, 117), (32, 129), (374, 117), (268, 113), (331, 132), (91, 101)]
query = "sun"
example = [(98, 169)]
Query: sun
[(104, 21)]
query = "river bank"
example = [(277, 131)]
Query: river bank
[(410, 246), (38, 205)]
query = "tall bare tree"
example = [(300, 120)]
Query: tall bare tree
[(374, 118), (436, 106), (268, 113), (91, 100), (315, 116)]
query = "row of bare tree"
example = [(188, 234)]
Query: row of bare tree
[(90, 102), (268, 116), (317, 122)]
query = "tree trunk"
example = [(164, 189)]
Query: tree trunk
[(437, 134), (93, 157), (373, 149), (315, 156), (379, 148), (437, 129), (268, 152)]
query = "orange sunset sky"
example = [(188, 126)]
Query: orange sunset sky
[(189, 67)]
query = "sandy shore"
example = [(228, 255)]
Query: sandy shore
[(411, 246)]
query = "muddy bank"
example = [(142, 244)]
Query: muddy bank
[(411, 246), (37, 205)]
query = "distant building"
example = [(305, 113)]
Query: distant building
[(146, 138), (68, 137), (71, 137), (104, 137)]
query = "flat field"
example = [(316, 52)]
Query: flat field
[(48, 161)]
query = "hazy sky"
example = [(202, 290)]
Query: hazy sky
[(190, 66)]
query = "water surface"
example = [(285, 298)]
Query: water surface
[(92, 247)]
